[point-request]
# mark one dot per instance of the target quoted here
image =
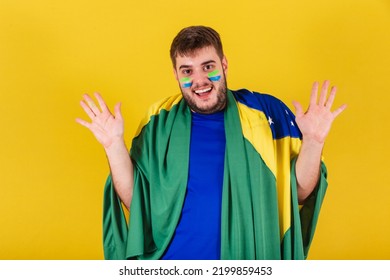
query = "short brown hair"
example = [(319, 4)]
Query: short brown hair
[(193, 38)]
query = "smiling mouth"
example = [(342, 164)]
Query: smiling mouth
[(203, 92)]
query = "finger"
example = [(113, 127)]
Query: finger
[(117, 110), (323, 94), (339, 110), (87, 110), (102, 103), (331, 97), (298, 109), (313, 96), (91, 104), (83, 123)]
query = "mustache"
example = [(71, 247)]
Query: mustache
[(197, 86)]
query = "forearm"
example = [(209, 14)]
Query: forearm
[(122, 172), (307, 167)]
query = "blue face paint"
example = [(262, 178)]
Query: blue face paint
[(186, 82), (213, 76), (186, 85)]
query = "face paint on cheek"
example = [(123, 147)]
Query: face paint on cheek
[(214, 76), (185, 82)]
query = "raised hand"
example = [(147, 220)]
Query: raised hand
[(108, 130), (316, 122), (106, 127), (315, 125)]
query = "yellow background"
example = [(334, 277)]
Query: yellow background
[(51, 52)]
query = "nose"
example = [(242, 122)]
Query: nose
[(200, 78)]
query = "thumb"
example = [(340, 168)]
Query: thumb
[(298, 108)]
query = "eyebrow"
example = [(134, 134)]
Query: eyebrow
[(204, 63)]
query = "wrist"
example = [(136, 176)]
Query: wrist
[(312, 146), (116, 146), (314, 141)]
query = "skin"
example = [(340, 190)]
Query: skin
[(197, 66), (205, 96), (108, 129), (315, 125)]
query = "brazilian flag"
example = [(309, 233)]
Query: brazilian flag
[(261, 216)]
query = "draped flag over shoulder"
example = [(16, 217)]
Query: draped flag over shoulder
[(261, 217)]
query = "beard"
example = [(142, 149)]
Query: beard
[(207, 106)]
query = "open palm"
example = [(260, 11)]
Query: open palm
[(316, 122), (105, 126)]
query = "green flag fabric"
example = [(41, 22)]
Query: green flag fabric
[(261, 217)]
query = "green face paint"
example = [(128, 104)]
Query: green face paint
[(214, 76), (185, 79), (186, 82)]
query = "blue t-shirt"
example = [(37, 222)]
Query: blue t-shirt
[(198, 233)]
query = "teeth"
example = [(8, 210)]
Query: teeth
[(203, 90)]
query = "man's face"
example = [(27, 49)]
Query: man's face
[(202, 80)]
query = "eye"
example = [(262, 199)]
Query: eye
[(209, 67), (186, 72)]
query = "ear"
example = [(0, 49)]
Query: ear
[(175, 74), (224, 64)]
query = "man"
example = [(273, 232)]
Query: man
[(213, 173)]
